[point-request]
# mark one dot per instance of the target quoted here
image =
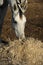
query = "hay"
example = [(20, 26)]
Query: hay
[(29, 52)]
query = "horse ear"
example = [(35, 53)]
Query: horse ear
[(18, 1), (23, 5)]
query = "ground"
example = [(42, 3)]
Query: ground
[(29, 52)]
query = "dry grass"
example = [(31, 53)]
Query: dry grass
[(29, 52)]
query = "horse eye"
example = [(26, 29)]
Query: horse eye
[(14, 7)]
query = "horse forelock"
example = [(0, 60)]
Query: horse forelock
[(20, 12)]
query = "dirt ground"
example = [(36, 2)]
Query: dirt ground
[(29, 52)]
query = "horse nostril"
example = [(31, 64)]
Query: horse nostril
[(15, 22), (14, 7)]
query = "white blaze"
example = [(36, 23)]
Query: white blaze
[(20, 26)]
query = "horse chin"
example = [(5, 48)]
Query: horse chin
[(19, 32), (20, 37)]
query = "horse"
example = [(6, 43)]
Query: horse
[(18, 8)]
